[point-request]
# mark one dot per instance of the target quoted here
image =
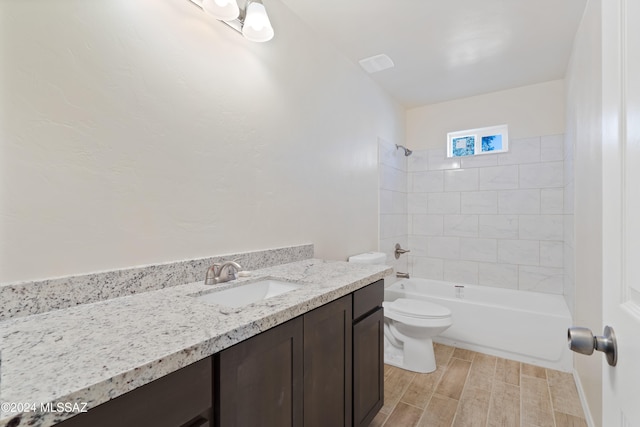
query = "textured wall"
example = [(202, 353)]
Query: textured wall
[(138, 132), (530, 111)]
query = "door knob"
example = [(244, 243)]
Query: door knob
[(581, 340)]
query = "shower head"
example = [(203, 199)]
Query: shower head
[(407, 152)]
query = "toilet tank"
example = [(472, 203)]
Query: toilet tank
[(369, 258)]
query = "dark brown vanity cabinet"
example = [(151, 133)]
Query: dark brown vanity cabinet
[(368, 353), (180, 399), (295, 374), (324, 368)]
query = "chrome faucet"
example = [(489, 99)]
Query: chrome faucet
[(220, 273)]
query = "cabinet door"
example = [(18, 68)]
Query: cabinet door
[(170, 401), (327, 365), (260, 380), (368, 368)]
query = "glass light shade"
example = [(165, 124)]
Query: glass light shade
[(257, 27), (224, 10)]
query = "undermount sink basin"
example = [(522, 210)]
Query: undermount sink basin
[(246, 294)]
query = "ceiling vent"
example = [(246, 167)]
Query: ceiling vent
[(376, 63)]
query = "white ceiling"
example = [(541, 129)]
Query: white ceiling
[(448, 49)]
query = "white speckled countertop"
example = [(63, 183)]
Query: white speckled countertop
[(95, 352)]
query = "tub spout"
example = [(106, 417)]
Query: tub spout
[(402, 275)]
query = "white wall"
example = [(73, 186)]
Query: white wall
[(584, 131), (136, 132), (530, 111)]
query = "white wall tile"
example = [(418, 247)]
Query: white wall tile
[(426, 182), (526, 252), (552, 148), (427, 225), (417, 245), (479, 161), (541, 279), (569, 231), (479, 202), (444, 247), (463, 272), (498, 275), (438, 160), (443, 203), (521, 151), (569, 197), (541, 227), (418, 161), (393, 202), (552, 254), (461, 180), (461, 225), (479, 249), (416, 203), (542, 175), (388, 246), (498, 226), (426, 268), (393, 179), (389, 156), (519, 202), (552, 201), (393, 225), (499, 178)]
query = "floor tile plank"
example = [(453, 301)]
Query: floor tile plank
[(460, 353), (440, 412), (508, 371), (504, 410), (473, 408), (454, 378), (566, 420), (404, 416), (533, 371), (395, 384), (535, 402), (483, 369), (564, 393), (422, 387)]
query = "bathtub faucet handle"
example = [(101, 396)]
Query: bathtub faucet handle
[(399, 251)]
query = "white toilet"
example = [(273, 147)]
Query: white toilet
[(409, 326)]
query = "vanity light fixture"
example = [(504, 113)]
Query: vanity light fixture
[(252, 21)]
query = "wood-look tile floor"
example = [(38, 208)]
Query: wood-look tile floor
[(475, 389)]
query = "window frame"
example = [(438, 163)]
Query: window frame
[(478, 134)]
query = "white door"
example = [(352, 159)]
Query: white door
[(621, 208)]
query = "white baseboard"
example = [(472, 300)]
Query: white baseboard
[(583, 400)]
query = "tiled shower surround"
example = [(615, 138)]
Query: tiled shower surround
[(494, 220)]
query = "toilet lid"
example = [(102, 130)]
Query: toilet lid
[(417, 308)]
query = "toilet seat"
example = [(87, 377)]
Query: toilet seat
[(417, 313), (418, 309)]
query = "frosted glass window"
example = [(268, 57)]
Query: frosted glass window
[(473, 142)]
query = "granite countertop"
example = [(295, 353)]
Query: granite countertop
[(95, 352)]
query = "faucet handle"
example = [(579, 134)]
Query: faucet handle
[(212, 274)]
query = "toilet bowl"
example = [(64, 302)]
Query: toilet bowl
[(409, 327)]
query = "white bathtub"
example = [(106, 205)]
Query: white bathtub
[(525, 326)]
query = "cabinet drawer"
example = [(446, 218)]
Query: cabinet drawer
[(368, 299)]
